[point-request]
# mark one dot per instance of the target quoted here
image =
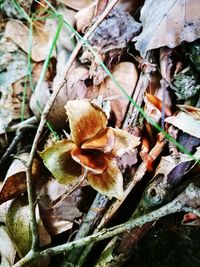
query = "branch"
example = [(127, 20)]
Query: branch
[(191, 195)]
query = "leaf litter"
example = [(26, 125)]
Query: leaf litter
[(100, 145)]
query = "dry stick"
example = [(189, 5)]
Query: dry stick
[(35, 238), (18, 137), (185, 201)]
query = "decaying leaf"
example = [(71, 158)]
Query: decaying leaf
[(77, 5), (19, 34), (126, 74), (168, 24), (84, 17), (190, 110), (109, 40), (7, 248), (186, 123), (12, 70), (39, 98), (116, 31), (15, 181), (65, 38), (59, 217)]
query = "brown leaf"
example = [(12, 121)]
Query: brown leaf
[(186, 123), (168, 23), (126, 74), (39, 98), (77, 5), (60, 217), (15, 181), (190, 110), (84, 17), (19, 33)]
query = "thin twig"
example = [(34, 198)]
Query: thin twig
[(62, 81), (94, 214), (189, 195)]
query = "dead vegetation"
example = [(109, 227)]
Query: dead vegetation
[(99, 127)]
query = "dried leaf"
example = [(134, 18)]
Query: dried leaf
[(115, 31), (85, 120), (76, 86), (39, 98), (126, 74), (65, 38), (60, 217), (15, 181), (168, 24), (77, 5), (186, 123), (57, 158), (18, 33), (84, 17), (110, 183), (7, 248), (190, 110)]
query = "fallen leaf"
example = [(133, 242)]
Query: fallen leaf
[(76, 82), (190, 110), (126, 74), (77, 5), (15, 181), (19, 33), (7, 248), (168, 24), (39, 98), (109, 40), (65, 38), (84, 17), (19, 89), (186, 123), (60, 217)]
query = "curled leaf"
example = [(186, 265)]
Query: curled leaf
[(192, 126), (15, 181)]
